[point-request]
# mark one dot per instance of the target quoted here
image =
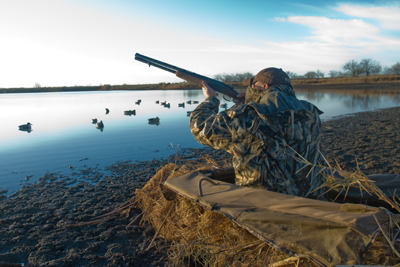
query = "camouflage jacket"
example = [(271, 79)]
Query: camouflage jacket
[(274, 143)]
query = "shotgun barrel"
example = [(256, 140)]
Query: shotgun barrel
[(189, 76)]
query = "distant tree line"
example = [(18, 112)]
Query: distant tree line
[(233, 77), (352, 68)]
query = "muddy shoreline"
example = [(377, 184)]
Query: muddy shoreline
[(33, 219)]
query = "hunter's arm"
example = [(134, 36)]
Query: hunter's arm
[(210, 127)]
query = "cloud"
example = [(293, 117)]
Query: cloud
[(336, 30), (333, 41), (353, 33), (280, 19), (389, 17)]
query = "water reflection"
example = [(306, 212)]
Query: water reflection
[(351, 98), (338, 102)]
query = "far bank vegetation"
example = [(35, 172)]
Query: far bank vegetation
[(352, 72), (365, 71)]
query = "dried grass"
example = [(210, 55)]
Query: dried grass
[(385, 248), (200, 236)]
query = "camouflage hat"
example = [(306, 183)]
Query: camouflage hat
[(270, 76)]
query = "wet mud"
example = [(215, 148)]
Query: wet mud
[(369, 139)]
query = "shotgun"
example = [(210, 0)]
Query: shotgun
[(189, 76)]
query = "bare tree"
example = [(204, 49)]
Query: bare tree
[(333, 73), (369, 66), (395, 68), (311, 75), (352, 67), (233, 77), (292, 75), (320, 74), (218, 77), (386, 70), (37, 85)]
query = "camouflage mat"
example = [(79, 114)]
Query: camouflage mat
[(324, 232)]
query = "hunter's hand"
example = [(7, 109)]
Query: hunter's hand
[(207, 90), (237, 101)]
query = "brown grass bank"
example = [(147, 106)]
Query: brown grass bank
[(391, 82)]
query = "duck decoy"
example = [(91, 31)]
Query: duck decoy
[(100, 125), (189, 102), (158, 102), (107, 111), (94, 121), (224, 105), (195, 102), (138, 102), (130, 112), (167, 105), (26, 127), (155, 120), (181, 104)]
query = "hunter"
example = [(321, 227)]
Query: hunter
[(274, 138)]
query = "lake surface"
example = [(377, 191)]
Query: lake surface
[(63, 134)]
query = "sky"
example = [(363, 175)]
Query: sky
[(93, 42)]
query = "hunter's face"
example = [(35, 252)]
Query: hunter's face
[(254, 94), (258, 85)]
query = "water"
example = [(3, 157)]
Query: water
[(63, 133)]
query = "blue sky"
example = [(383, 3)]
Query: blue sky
[(88, 42)]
